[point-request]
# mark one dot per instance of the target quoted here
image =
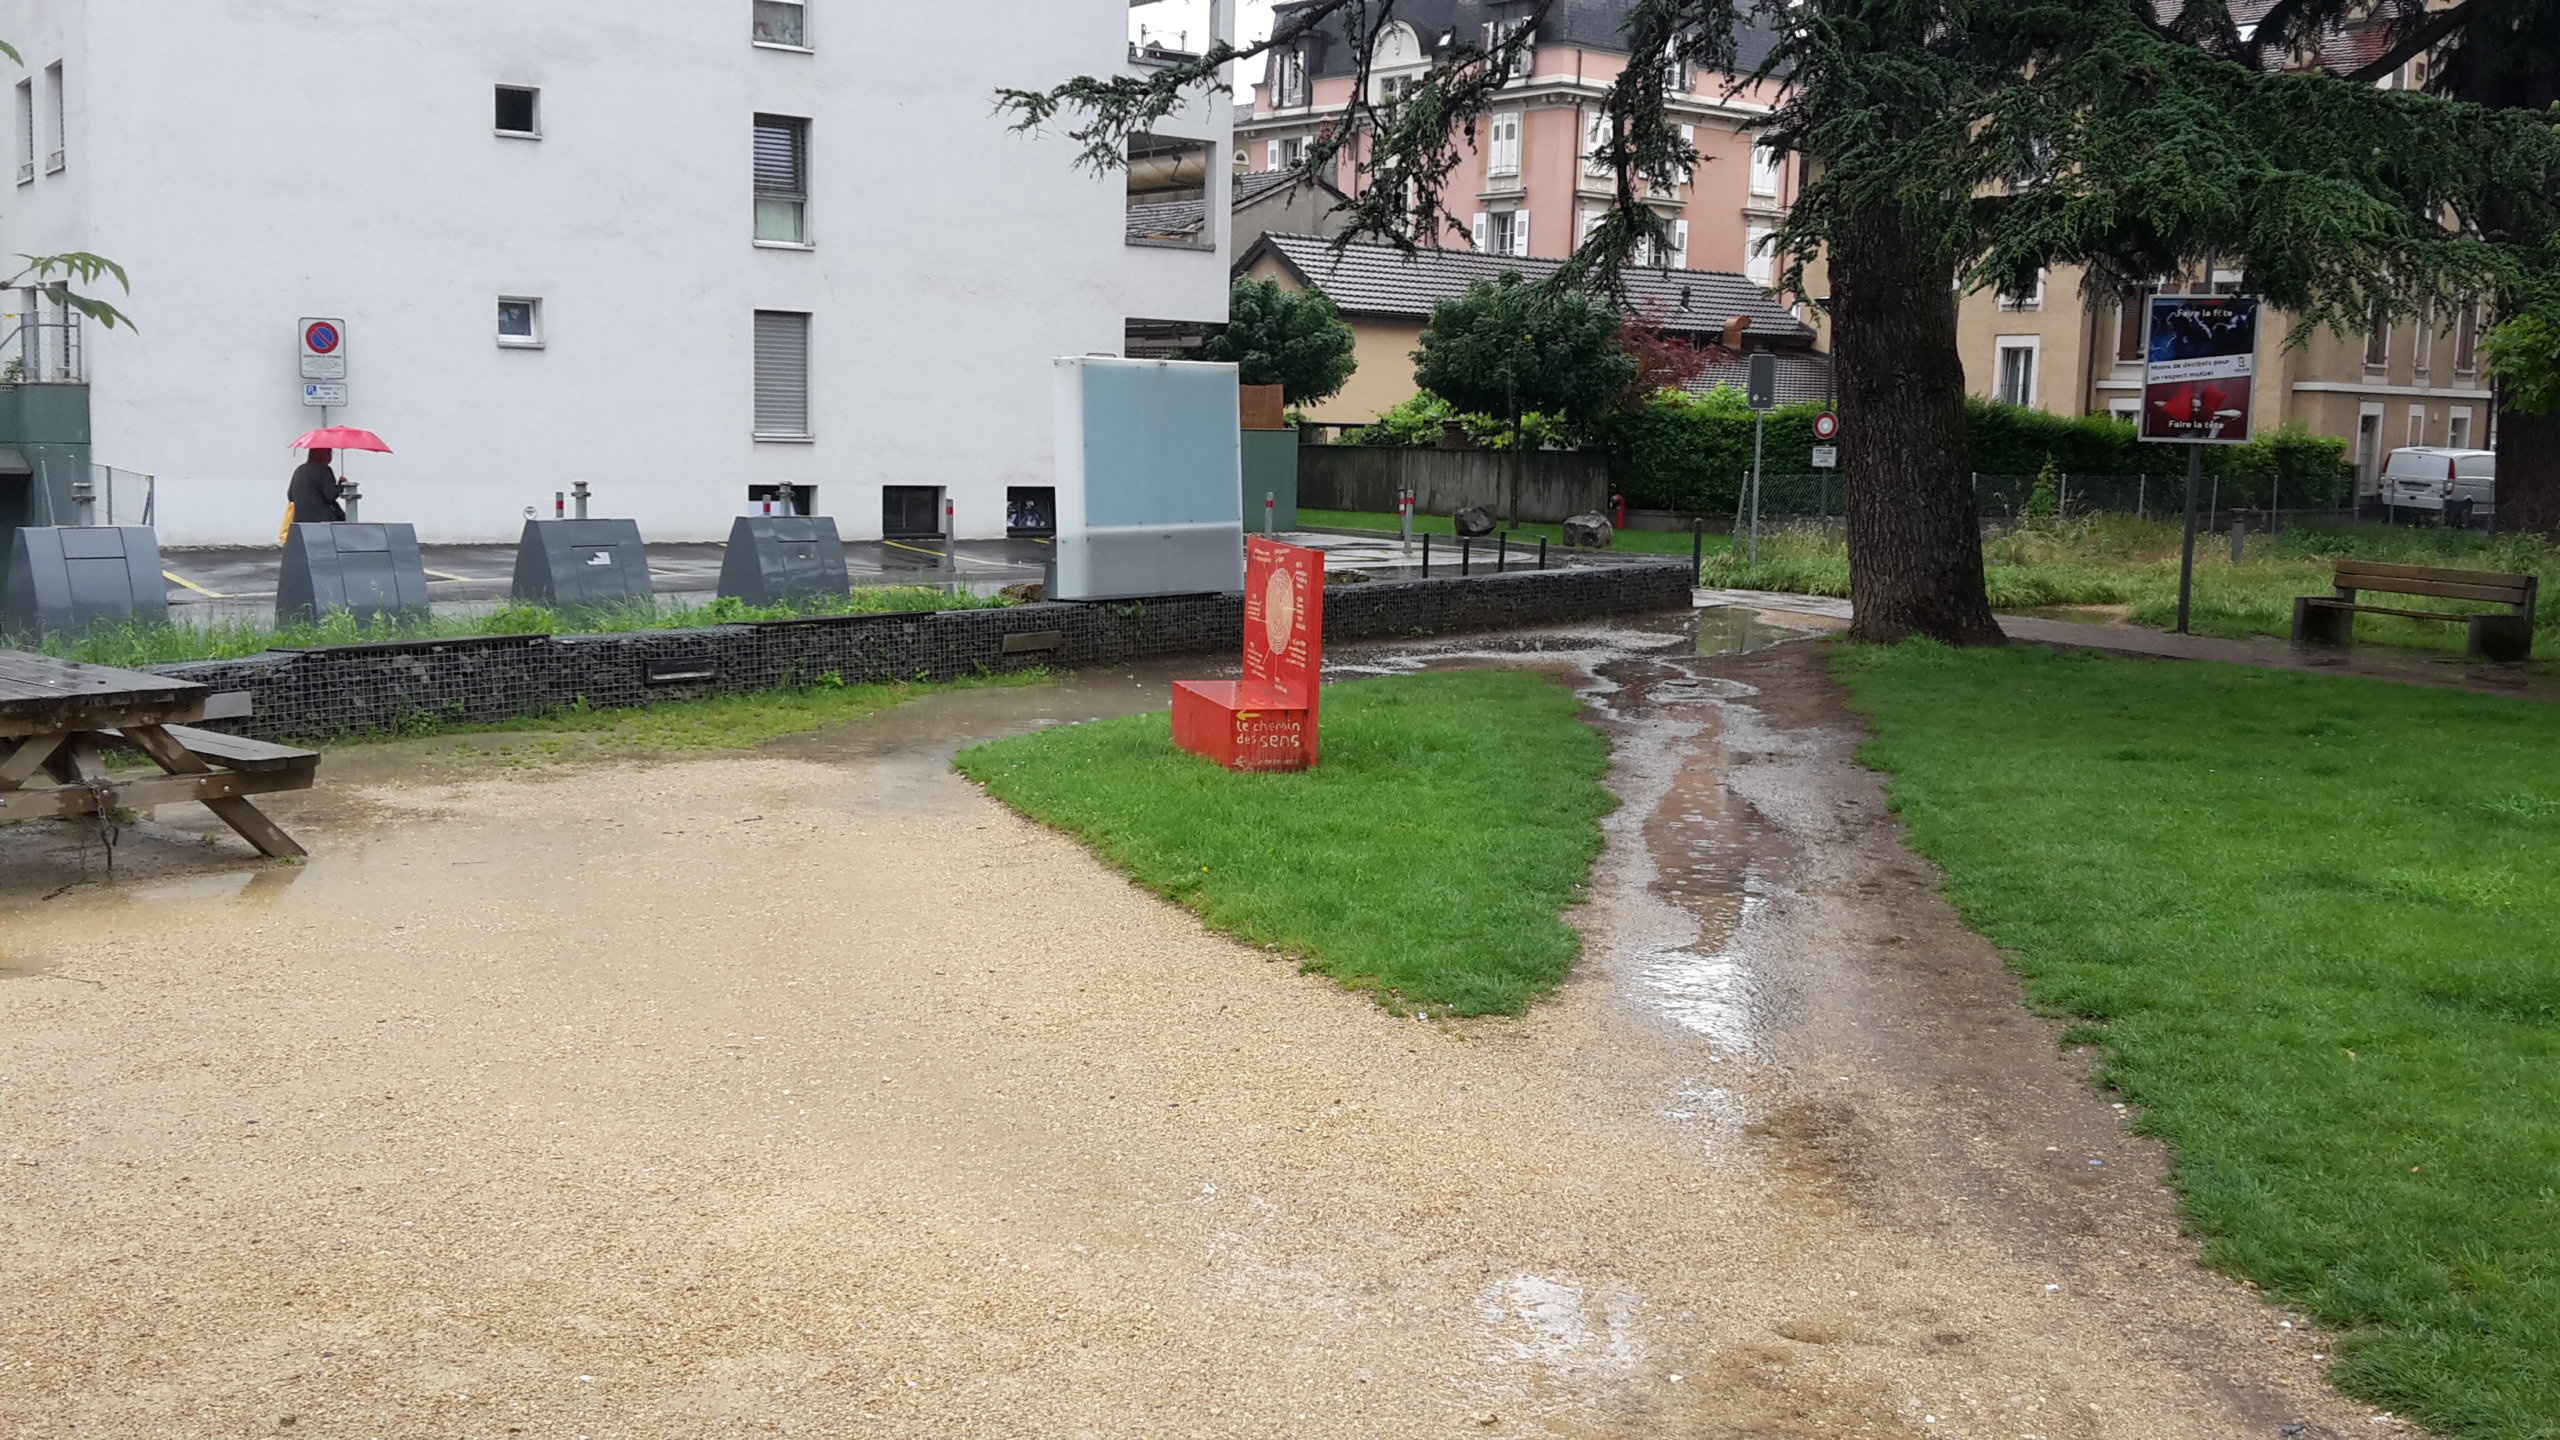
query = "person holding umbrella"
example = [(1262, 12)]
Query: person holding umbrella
[(311, 497)]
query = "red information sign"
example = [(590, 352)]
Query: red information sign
[(1267, 720)]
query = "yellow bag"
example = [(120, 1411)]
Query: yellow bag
[(284, 531)]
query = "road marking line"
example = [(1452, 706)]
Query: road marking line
[(176, 578), (936, 554), (441, 575)]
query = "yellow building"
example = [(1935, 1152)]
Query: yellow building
[(2415, 383)]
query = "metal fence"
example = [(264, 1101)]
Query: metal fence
[(124, 497), (41, 345), (2007, 497)]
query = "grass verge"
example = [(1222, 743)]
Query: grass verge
[(2312, 925), (130, 644), (1635, 542), (724, 722), (2123, 560), (1427, 859)]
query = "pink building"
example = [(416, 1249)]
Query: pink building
[(1528, 185)]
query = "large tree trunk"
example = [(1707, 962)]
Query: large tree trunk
[(2529, 473), (1915, 547)]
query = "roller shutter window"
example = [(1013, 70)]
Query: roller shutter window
[(782, 179), (782, 375)]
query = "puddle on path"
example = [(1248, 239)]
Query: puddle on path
[(1737, 630)]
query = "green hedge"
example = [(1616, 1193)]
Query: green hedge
[(1689, 452)]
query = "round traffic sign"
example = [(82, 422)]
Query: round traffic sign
[(320, 337), (1826, 426)]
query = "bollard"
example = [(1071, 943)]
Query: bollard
[(578, 492), (1466, 555), (1697, 547), (559, 505), (350, 499), (1270, 503), (1426, 554), (1404, 517), (1542, 552), (1502, 553), (84, 503), (2239, 541)]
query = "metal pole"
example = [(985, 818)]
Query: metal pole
[(1542, 552), (2141, 496), (1759, 432), (2187, 556), (1697, 546), (1426, 554), (1466, 555), (1270, 504), (1502, 553), (1404, 517)]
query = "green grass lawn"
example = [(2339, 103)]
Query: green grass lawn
[(1640, 542), (2122, 560), (131, 644), (2313, 924), (1428, 857)]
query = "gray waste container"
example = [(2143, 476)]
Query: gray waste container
[(370, 571), (776, 559), (569, 563), (64, 578)]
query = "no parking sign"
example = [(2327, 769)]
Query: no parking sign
[(324, 348)]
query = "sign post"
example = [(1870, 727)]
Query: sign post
[(1762, 394), (2199, 362), (324, 358)]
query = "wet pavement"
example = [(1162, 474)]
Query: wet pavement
[(241, 582), (809, 1090)]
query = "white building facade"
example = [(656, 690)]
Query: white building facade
[(673, 248)]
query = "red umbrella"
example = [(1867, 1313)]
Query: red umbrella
[(340, 437)]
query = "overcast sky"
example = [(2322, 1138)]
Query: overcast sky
[(1171, 19)]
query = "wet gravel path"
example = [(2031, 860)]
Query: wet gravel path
[(809, 1093)]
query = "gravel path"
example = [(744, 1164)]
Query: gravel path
[(810, 1093)]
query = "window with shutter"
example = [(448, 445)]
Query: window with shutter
[(1679, 244), (1520, 232), (782, 375), (1505, 156), (1598, 129), (782, 179), (1764, 172), (1758, 262), (26, 131), (1686, 172), (1482, 233)]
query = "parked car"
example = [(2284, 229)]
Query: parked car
[(2458, 487)]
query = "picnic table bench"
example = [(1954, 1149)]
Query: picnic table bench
[(59, 717), (2330, 619)]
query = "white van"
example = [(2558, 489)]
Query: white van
[(2460, 487)]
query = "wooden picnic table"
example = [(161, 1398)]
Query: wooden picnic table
[(59, 717)]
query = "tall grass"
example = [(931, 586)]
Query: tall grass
[(2133, 562), (132, 643)]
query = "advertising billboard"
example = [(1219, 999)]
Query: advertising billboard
[(2199, 367)]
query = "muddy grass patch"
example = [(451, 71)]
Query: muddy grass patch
[(1428, 858), (2309, 922)]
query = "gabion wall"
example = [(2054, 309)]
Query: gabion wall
[(355, 688)]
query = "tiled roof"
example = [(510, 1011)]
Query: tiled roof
[(1378, 280), (1180, 219)]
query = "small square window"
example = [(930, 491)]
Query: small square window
[(519, 110), (519, 321), (782, 22)]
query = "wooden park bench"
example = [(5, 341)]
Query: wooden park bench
[(2330, 619), (59, 718)]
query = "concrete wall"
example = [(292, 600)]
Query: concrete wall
[(1550, 486), (362, 688), (251, 163)]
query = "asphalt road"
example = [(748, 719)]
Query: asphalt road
[(460, 573)]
